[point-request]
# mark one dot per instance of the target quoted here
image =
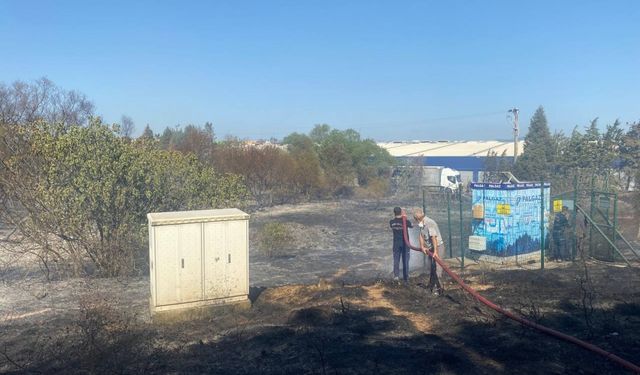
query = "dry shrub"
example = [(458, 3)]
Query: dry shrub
[(376, 189), (109, 339), (100, 338), (273, 237)]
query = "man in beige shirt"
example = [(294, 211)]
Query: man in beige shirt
[(430, 241)]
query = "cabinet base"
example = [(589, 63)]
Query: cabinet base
[(198, 309)]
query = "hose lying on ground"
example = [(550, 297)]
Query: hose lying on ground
[(612, 357)]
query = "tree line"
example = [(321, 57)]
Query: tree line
[(324, 163), (76, 190), (612, 154)]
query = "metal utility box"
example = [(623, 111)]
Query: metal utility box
[(198, 258)]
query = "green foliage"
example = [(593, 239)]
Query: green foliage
[(92, 189), (274, 237), (612, 142), (191, 139), (147, 134), (610, 155), (337, 162), (345, 159), (307, 175), (630, 155), (590, 154), (319, 133), (297, 142)]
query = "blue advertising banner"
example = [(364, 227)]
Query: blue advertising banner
[(508, 216)]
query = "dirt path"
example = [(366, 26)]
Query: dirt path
[(376, 299)]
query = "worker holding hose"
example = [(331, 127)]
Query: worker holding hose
[(593, 348), (430, 238)]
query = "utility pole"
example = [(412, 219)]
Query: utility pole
[(515, 133)]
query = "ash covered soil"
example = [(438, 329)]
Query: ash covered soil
[(326, 306), (346, 240)]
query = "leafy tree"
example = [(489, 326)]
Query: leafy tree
[(127, 126), (24, 103), (272, 175), (592, 147), (197, 141), (192, 139), (84, 193), (319, 133), (584, 156), (170, 137), (297, 142), (337, 163), (573, 150), (370, 161), (307, 174), (538, 156), (569, 160), (345, 159)]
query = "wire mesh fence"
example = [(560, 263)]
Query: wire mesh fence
[(527, 228)]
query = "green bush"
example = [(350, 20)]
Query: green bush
[(273, 237), (83, 192), (344, 159)]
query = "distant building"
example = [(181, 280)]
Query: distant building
[(468, 157), (262, 144)]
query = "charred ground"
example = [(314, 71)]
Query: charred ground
[(331, 310)]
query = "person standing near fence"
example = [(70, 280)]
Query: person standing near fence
[(430, 239), (400, 249)]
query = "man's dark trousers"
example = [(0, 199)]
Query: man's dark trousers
[(401, 252), (559, 251)]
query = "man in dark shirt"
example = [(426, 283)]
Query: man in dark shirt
[(400, 249)]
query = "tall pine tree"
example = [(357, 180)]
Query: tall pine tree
[(538, 157)]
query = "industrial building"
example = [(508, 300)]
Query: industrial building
[(468, 157)]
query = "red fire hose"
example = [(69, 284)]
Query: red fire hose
[(624, 363)]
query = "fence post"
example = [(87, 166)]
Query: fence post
[(542, 224), (424, 200), (461, 224), (593, 198), (615, 223), (574, 250), (450, 244)]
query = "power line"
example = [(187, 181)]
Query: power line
[(424, 121)]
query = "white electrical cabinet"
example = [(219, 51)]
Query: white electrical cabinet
[(198, 258)]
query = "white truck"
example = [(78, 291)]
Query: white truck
[(428, 176)]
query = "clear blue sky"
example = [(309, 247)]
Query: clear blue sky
[(391, 70)]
